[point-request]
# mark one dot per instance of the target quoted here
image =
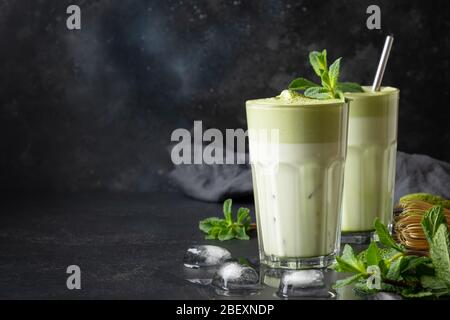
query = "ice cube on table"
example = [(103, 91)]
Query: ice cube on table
[(303, 283), (202, 282), (205, 256), (235, 278), (303, 278)]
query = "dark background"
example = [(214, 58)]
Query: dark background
[(94, 109)]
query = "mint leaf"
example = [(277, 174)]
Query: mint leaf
[(207, 224), (408, 293), (302, 84), (226, 234), (344, 266), (435, 285), (349, 87), (348, 262), (334, 72), (243, 216), (432, 283), (384, 236), (318, 61), (372, 255), (384, 258), (326, 83), (435, 228), (399, 267), (323, 59), (317, 93), (347, 281), (432, 220), (227, 210), (314, 61), (412, 262), (240, 234), (213, 233), (440, 254), (227, 229), (387, 253), (395, 269)]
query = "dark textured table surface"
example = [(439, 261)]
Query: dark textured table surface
[(127, 246)]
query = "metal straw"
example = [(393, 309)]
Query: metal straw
[(382, 64)]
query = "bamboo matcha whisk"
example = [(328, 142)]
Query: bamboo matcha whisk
[(407, 226)]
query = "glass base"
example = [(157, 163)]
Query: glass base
[(312, 294), (358, 237), (236, 293), (270, 277), (297, 263)]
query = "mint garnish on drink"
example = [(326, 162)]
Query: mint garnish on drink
[(228, 228), (330, 87), (399, 270)]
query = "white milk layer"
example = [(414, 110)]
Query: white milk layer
[(298, 197), (369, 175)]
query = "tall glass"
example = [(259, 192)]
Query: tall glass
[(297, 178), (370, 165)]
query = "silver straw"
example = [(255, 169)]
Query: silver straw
[(382, 64)]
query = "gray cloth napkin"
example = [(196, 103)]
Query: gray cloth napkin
[(415, 173)]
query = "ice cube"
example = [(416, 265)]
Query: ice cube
[(205, 256), (303, 278), (234, 278), (202, 282), (303, 283)]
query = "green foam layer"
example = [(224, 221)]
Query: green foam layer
[(291, 98), (381, 103), (299, 119)]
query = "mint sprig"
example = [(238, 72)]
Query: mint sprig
[(330, 87), (401, 271), (435, 227), (385, 237), (227, 229)]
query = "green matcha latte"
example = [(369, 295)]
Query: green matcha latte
[(298, 197), (371, 159)]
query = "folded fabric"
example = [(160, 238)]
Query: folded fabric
[(421, 173), (214, 183)]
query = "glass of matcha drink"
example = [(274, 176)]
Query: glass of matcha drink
[(371, 156), (370, 165), (297, 177)]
